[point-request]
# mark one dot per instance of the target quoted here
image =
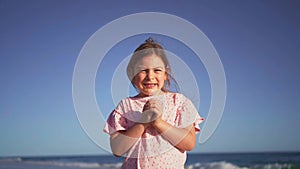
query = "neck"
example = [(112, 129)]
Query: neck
[(156, 94)]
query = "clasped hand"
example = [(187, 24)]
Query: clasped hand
[(152, 111)]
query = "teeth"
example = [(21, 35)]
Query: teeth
[(149, 85)]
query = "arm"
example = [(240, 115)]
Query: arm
[(122, 141), (182, 138)]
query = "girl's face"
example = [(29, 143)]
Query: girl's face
[(150, 75)]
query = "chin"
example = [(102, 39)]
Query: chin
[(153, 93)]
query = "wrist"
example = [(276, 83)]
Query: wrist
[(156, 123)]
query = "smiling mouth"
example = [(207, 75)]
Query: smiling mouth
[(149, 85)]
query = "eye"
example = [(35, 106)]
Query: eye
[(144, 70), (158, 70)]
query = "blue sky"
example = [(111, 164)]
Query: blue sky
[(257, 41)]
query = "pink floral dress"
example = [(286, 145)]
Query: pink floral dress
[(152, 150)]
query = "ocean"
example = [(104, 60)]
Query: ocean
[(289, 160)]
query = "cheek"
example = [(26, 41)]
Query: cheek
[(162, 77), (137, 78), (135, 81)]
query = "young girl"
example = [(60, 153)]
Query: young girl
[(155, 128)]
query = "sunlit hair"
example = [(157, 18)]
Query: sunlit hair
[(148, 48)]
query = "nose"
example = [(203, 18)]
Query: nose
[(150, 74)]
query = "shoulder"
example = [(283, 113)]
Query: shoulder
[(126, 100), (122, 103), (130, 103), (176, 98), (176, 95)]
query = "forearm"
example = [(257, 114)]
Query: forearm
[(182, 138), (122, 141)]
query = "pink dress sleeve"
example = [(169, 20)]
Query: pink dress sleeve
[(188, 115), (116, 121)]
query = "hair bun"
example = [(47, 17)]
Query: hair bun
[(149, 40)]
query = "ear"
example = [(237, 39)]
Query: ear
[(166, 73), (166, 76)]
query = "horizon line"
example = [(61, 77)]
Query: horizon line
[(107, 154)]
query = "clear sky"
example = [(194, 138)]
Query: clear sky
[(258, 43)]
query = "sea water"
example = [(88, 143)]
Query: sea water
[(289, 160)]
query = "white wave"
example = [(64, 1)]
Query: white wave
[(85, 165), (273, 166), (215, 165), (13, 159), (77, 164), (227, 165)]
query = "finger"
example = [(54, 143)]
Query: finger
[(156, 106), (156, 103), (146, 105), (153, 101)]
